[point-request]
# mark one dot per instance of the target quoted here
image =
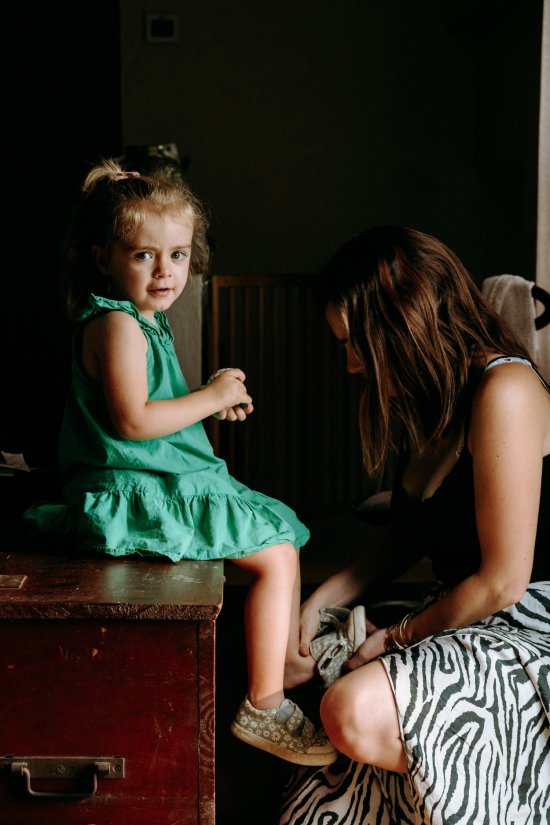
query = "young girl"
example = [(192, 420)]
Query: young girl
[(140, 475)]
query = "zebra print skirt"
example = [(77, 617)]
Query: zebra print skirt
[(474, 710)]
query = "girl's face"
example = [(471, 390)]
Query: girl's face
[(153, 270), (340, 329)]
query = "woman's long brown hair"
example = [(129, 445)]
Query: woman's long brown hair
[(421, 329)]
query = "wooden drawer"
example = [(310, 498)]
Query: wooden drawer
[(102, 659)]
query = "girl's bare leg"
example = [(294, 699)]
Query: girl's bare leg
[(298, 669), (359, 715), (267, 619)]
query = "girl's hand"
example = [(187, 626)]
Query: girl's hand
[(235, 403), (234, 413), (372, 648)]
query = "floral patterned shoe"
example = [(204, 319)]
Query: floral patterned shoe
[(284, 732), (341, 633)]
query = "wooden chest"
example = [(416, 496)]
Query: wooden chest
[(107, 690)]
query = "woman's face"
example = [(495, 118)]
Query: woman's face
[(340, 329)]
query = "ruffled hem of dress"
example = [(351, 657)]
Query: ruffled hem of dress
[(200, 527)]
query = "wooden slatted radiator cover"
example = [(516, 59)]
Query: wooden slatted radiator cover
[(301, 444)]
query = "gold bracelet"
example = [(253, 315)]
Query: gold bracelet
[(395, 635), (390, 643)]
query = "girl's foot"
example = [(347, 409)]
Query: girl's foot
[(285, 732)]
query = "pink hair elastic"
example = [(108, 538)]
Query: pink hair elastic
[(124, 175)]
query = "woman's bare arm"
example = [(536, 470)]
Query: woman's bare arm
[(388, 557), (509, 432)]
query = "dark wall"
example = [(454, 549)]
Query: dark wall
[(506, 36), (307, 121), (62, 110)]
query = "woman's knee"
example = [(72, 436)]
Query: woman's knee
[(341, 716), (359, 715)]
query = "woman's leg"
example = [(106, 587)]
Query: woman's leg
[(267, 617), (359, 715)]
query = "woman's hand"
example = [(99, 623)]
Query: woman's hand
[(309, 625), (235, 403), (372, 648)]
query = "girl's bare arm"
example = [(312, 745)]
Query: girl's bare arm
[(115, 354)]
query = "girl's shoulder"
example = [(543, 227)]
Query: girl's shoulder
[(99, 306), (110, 323), (105, 318), (111, 331), (115, 311)]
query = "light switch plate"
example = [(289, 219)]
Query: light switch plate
[(162, 28)]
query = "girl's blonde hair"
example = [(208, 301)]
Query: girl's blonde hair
[(421, 329), (112, 208)]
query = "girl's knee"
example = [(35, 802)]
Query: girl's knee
[(279, 559)]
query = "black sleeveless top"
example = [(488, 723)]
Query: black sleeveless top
[(444, 527)]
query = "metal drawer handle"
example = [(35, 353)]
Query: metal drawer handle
[(74, 768), (54, 794)]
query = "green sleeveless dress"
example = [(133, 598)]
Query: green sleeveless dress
[(169, 497)]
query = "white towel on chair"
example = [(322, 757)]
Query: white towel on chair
[(510, 296)]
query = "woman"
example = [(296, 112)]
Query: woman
[(444, 717)]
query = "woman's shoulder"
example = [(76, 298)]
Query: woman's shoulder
[(510, 397), (505, 378), (509, 386)]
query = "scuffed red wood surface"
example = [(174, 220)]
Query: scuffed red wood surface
[(59, 587), (111, 657)]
